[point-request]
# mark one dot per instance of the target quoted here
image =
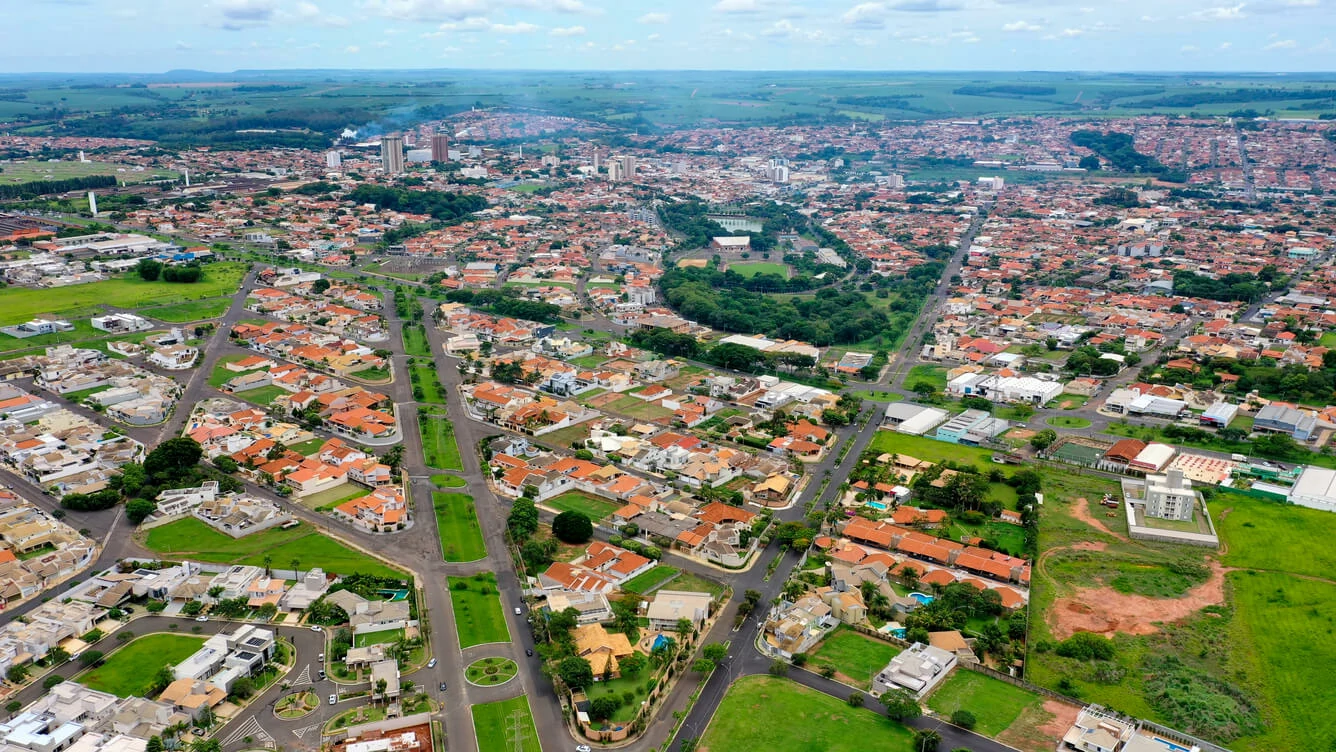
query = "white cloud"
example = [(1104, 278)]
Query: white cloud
[(1021, 26), (1071, 33), (866, 16), (182, 45), (924, 6), (1282, 44), (1221, 13), (522, 27), (456, 10), (652, 38), (310, 12), (568, 31), (786, 29), (653, 18), (1188, 48), (739, 6), (1225, 45), (352, 49), (965, 37)]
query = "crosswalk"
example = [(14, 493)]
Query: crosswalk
[(301, 732), (249, 728), (305, 676)]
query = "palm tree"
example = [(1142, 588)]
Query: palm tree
[(296, 565), (926, 740), (267, 561)]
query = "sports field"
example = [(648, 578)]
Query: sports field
[(753, 268)]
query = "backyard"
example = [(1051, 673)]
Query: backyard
[(131, 670), (767, 713), (438, 441), (505, 726), (477, 606), (576, 501), (855, 657), (995, 704), (192, 538), (457, 526)]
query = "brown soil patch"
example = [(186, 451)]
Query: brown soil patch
[(603, 400), (1081, 511), (1040, 728), (1020, 434), (1105, 611)]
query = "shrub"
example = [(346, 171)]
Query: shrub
[(1086, 646), (963, 718)]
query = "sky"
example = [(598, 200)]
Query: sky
[(1007, 35)]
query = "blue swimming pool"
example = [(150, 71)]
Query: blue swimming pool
[(923, 598), (660, 641), (880, 506), (1172, 747)]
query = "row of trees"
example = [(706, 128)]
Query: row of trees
[(150, 270)]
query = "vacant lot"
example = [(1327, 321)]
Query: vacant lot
[(33, 170), (19, 304), (130, 671), (438, 442), (995, 704), (765, 713), (505, 726), (183, 313), (477, 606), (856, 658), (383, 637), (931, 450), (457, 525), (190, 538), (1274, 536), (935, 375), (332, 497), (263, 396), (594, 507)]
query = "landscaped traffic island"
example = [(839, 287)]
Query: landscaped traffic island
[(490, 672), (296, 705)]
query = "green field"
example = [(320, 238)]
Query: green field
[(1272, 536), (129, 671), (577, 501), (766, 713), (995, 704), (438, 442), (647, 582), (13, 173), (932, 450), (505, 726), (191, 538), (263, 396), (332, 497), (457, 526), (423, 377), (752, 268), (935, 375), (694, 583), (444, 480), (877, 396), (415, 341), (855, 656), (383, 637), (19, 304), (221, 375), (1067, 421), (477, 607), (183, 313), (308, 447)]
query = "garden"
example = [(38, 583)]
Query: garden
[(491, 672), (296, 705)]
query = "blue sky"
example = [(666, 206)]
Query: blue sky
[(224, 35)]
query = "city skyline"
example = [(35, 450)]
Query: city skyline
[(974, 35)]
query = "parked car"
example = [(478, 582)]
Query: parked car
[(320, 657), (518, 611), (316, 628), (201, 618)]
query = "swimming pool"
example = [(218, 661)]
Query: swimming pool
[(922, 598), (1172, 747), (880, 506), (394, 595)]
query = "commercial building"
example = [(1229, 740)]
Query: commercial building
[(972, 427), (1316, 489), (915, 420), (1300, 424)]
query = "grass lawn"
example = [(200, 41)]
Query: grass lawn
[(994, 703), (1328, 339), (767, 713), (19, 304), (457, 525), (638, 408), (505, 726), (308, 447), (856, 656), (565, 438), (490, 672), (589, 361), (1067, 421), (383, 637), (221, 375), (477, 605), (263, 396), (191, 538), (750, 269), (376, 373), (182, 313), (646, 582), (694, 583), (931, 450), (876, 396), (438, 442), (424, 378), (1255, 528), (332, 497), (415, 341), (935, 375), (625, 712), (442, 480), (593, 506), (129, 671)]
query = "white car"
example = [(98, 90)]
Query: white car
[(333, 699), (582, 748), (431, 663), (316, 628), (201, 618)]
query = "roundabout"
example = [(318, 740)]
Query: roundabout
[(491, 672), (296, 705)]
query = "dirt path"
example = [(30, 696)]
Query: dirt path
[(1105, 611), (1081, 511)]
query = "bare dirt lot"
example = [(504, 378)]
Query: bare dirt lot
[(1081, 511), (1040, 729), (1105, 611)]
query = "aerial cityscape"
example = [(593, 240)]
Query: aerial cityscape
[(584, 384)]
